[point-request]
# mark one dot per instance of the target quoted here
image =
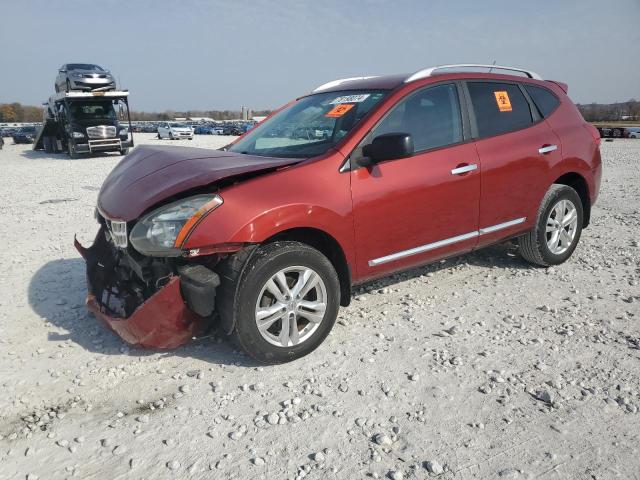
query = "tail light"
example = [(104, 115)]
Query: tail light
[(595, 133)]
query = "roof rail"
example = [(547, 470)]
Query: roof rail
[(428, 72), (335, 83)]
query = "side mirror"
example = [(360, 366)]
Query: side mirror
[(62, 71), (387, 147)]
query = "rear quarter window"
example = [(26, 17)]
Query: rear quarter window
[(546, 101), (499, 107)]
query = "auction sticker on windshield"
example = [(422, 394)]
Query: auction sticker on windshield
[(351, 98), (339, 110)]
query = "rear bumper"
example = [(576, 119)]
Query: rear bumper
[(162, 321)]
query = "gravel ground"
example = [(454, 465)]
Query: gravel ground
[(480, 366)]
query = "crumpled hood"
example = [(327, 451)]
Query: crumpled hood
[(150, 174)]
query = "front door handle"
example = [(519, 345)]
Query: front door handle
[(547, 149), (464, 169)]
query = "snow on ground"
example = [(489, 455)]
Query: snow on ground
[(480, 366)]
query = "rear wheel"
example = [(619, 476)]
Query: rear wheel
[(47, 144), (124, 151), (558, 228), (286, 304)]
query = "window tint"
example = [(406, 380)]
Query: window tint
[(543, 98), (499, 107), (431, 116)]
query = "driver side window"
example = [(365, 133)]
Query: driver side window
[(431, 116)]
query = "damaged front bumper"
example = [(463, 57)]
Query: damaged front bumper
[(161, 319)]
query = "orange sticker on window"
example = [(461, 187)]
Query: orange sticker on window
[(339, 110), (502, 99)]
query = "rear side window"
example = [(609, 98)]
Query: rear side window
[(431, 116), (546, 101), (499, 107)]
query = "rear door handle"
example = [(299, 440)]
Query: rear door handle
[(464, 169), (547, 149)]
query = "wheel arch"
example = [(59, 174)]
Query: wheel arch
[(328, 246), (580, 185)]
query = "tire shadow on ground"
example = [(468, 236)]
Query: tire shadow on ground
[(500, 256)]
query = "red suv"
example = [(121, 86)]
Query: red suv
[(360, 178)]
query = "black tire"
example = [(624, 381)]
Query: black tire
[(47, 145), (159, 137), (71, 150), (247, 283), (57, 89), (124, 151), (171, 136), (68, 85), (533, 245)]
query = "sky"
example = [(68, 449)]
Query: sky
[(224, 54)]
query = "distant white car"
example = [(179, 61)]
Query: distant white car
[(175, 131), (634, 133)]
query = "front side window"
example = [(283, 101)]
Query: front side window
[(499, 107), (310, 126), (431, 116)]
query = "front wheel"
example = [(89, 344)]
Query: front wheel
[(558, 228), (124, 151), (71, 149), (286, 304)]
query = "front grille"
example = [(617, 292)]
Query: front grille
[(101, 131), (118, 231)]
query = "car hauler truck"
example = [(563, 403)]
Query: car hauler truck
[(86, 122)]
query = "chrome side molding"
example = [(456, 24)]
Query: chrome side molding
[(500, 226), (443, 243)]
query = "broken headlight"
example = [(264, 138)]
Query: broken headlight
[(163, 231)]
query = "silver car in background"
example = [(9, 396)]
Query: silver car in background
[(84, 76)]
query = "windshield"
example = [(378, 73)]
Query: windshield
[(83, 66), (90, 111), (309, 127), (177, 125)]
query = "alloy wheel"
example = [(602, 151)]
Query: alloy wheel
[(290, 307), (562, 225)]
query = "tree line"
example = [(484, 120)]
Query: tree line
[(606, 112), (15, 112)]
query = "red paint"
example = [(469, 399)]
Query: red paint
[(163, 321), (394, 211), (409, 202), (371, 212), (150, 174)]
